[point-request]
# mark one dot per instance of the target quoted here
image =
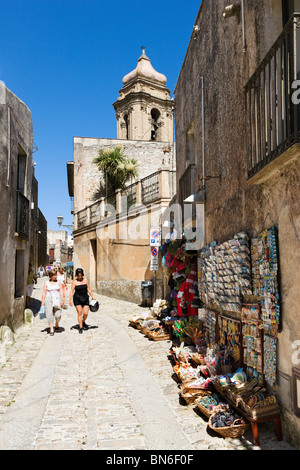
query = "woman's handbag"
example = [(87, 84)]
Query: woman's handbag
[(94, 305), (42, 312)]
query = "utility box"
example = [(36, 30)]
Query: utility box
[(147, 293)]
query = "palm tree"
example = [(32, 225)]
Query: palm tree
[(116, 168)]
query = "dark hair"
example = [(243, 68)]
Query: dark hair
[(79, 271)]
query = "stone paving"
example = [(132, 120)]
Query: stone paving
[(110, 388)]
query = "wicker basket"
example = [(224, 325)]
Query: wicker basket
[(203, 409), (179, 375), (198, 360), (135, 324), (223, 390), (158, 335), (269, 407), (190, 397), (233, 431), (203, 390)]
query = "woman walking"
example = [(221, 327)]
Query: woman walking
[(79, 296), (52, 299), (61, 277)]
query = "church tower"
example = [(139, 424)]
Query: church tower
[(144, 109)]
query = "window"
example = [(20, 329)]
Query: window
[(126, 120), (19, 273), (155, 114), (21, 170)]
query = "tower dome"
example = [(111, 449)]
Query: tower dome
[(144, 69), (144, 109)]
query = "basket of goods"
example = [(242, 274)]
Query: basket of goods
[(158, 334), (148, 325), (137, 320), (227, 422), (185, 372), (206, 404), (194, 332), (199, 385), (259, 406), (241, 392), (198, 358), (191, 395), (222, 383)]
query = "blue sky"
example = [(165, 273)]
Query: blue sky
[(66, 59)]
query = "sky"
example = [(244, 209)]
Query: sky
[(66, 59)]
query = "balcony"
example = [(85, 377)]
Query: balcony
[(155, 188), (272, 112), (22, 220)]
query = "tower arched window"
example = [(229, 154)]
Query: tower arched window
[(126, 120), (155, 114)]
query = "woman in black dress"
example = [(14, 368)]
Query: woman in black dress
[(79, 296)]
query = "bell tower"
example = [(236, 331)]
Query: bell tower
[(144, 109)]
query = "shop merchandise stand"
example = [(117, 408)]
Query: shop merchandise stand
[(255, 421)]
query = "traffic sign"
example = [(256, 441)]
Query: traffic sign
[(155, 237), (154, 260)]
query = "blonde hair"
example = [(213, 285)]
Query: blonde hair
[(52, 272)]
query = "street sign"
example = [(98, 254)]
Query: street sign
[(155, 237), (154, 260)]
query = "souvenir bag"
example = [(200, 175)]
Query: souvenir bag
[(42, 312)]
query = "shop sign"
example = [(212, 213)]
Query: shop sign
[(154, 260), (155, 237)]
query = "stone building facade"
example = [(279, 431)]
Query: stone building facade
[(238, 143), (144, 110), (144, 114), (20, 220)]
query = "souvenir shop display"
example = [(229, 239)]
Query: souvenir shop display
[(253, 341), (229, 341), (228, 345), (180, 268), (210, 326), (224, 272), (264, 259), (181, 326), (270, 359)]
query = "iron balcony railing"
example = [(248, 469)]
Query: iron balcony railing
[(150, 188), (272, 112), (144, 192), (22, 219)]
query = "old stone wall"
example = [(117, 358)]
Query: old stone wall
[(15, 131), (150, 157), (216, 53)]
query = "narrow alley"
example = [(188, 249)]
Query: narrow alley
[(108, 389)]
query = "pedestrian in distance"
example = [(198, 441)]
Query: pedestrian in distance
[(31, 280), (41, 271), (61, 277), (79, 297), (52, 299)]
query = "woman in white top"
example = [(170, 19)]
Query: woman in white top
[(61, 277), (52, 299)]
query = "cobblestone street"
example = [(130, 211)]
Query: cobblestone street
[(108, 389)]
